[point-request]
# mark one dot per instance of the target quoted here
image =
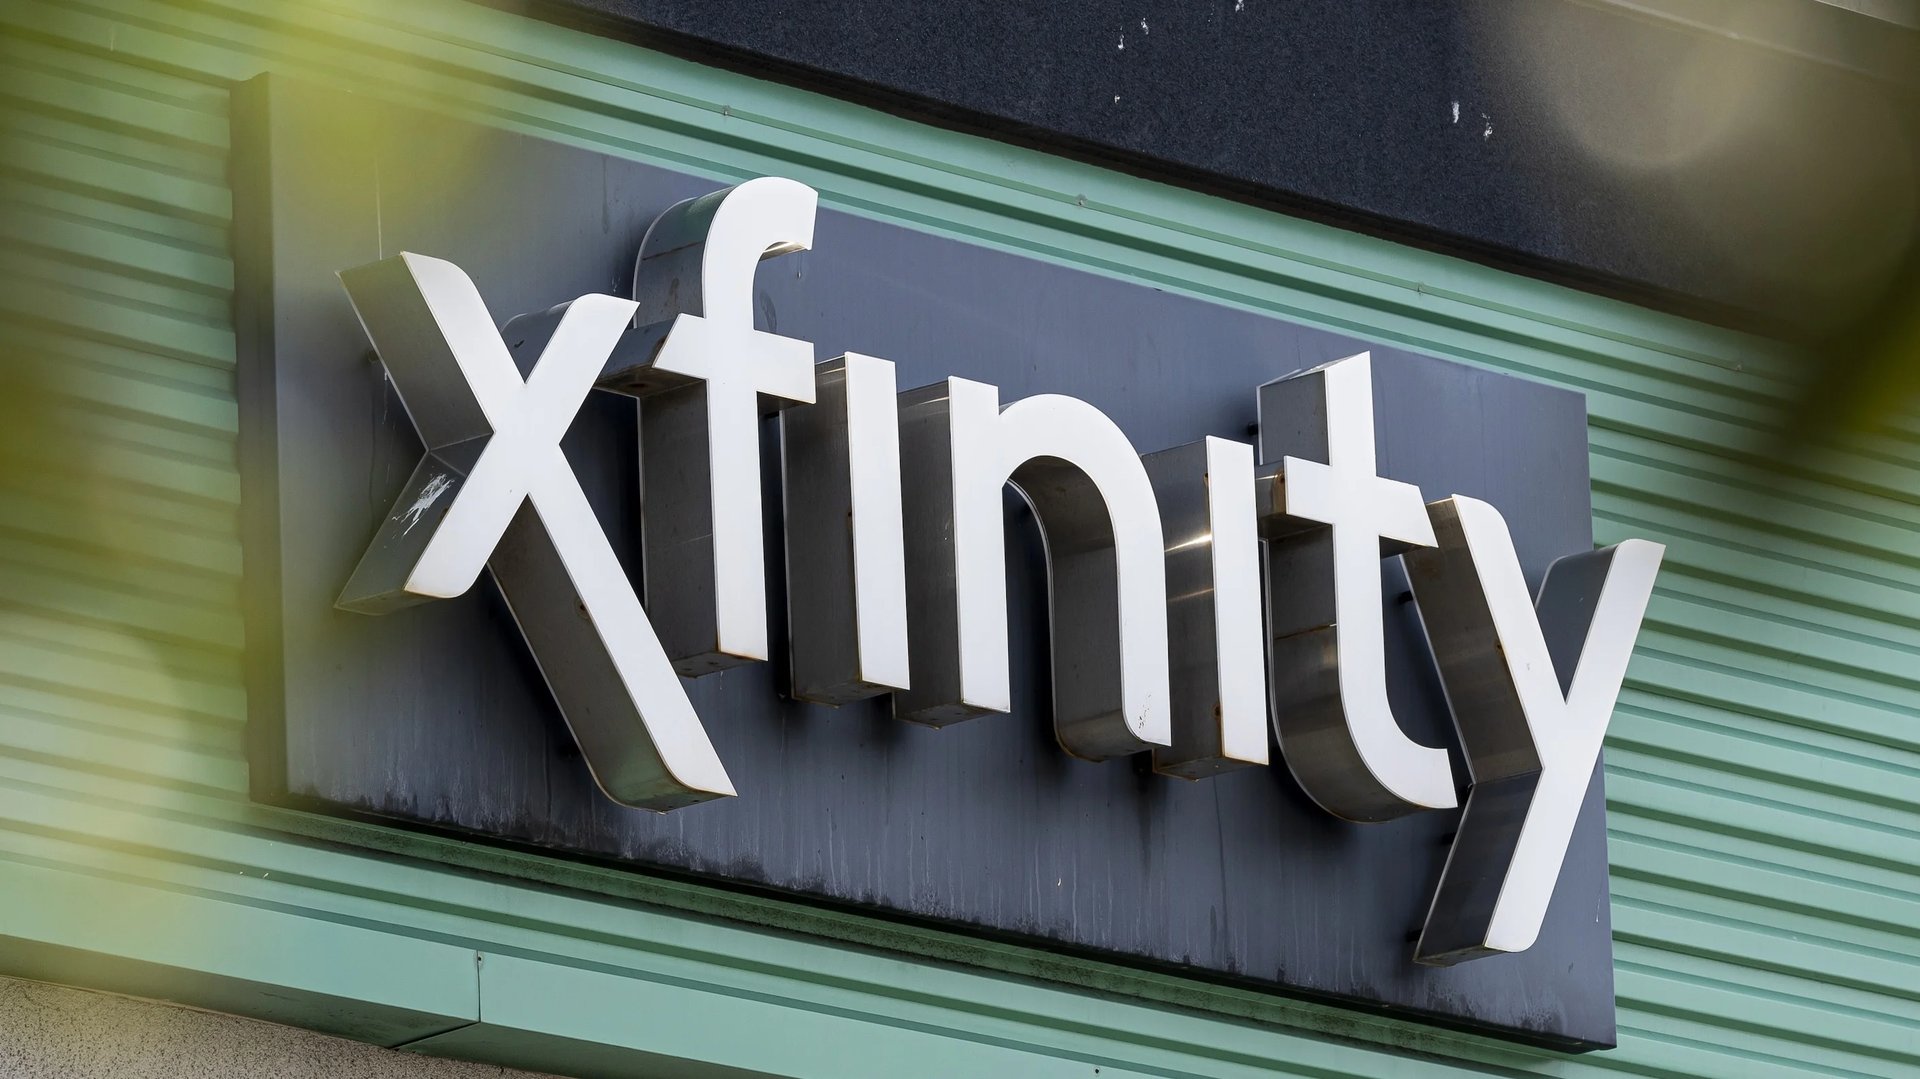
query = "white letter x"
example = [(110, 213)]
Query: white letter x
[(496, 490)]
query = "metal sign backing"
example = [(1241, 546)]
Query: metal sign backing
[(910, 517)]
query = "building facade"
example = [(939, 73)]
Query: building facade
[(1762, 812)]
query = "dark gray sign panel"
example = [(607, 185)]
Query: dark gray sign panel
[(436, 716)]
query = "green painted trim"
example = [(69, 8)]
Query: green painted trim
[(401, 939), (108, 931)]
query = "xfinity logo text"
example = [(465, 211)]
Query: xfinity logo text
[(1200, 595)]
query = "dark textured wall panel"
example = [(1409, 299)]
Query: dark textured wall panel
[(1765, 173)]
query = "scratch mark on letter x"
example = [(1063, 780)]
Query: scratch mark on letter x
[(431, 493)]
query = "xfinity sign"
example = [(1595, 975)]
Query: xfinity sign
[(907, 596), (612, 512)]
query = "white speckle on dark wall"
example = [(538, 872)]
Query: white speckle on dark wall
[(1143, 27), (1486, 133), (1456, 112), (1123, 42)]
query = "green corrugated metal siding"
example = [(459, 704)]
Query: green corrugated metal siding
[(1765, 814)]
